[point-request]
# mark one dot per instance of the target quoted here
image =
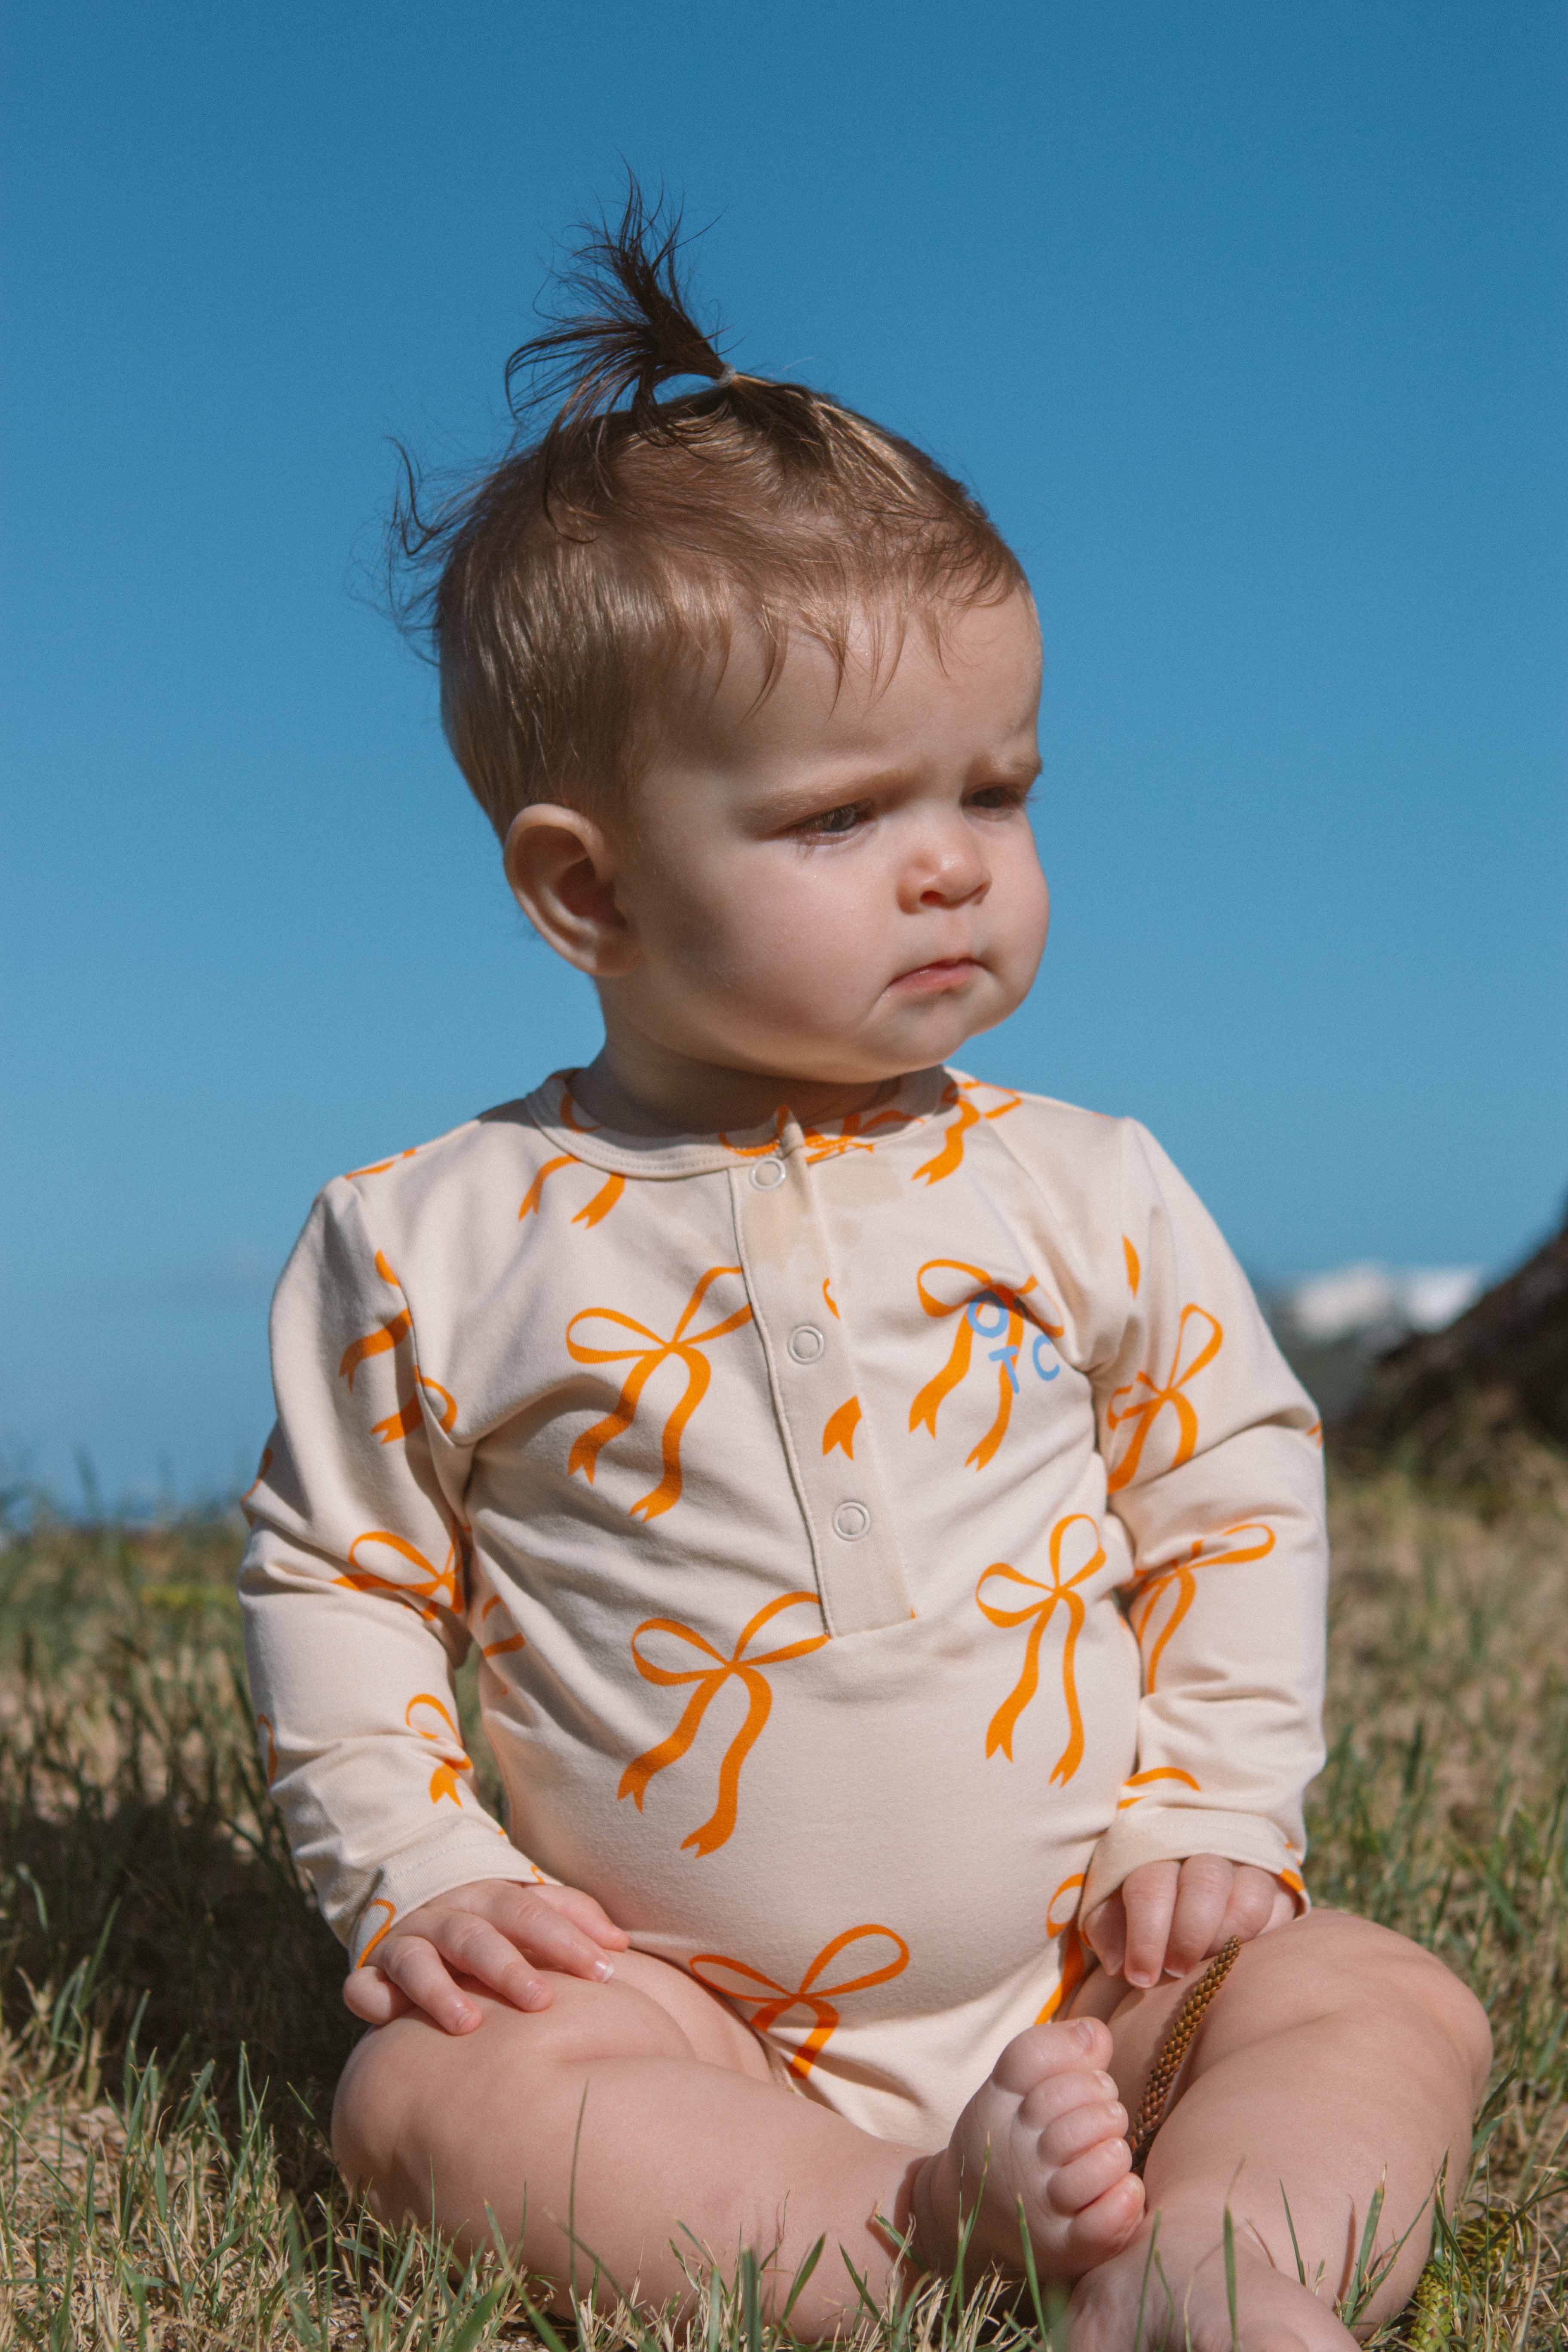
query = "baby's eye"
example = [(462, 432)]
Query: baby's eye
[(838, 820), (999, 796)]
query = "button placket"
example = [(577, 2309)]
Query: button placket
[(784, 1252)]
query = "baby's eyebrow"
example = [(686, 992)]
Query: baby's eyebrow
[(786, 804), (829, 792)]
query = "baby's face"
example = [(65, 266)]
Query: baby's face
[(839, 883)]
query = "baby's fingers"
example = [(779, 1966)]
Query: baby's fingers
[(479, 1950), (553, 1940), (372, 1996), (1257, 1902), (415, 1969), (1149, 1894), (1206, 1900), (584, 1913)]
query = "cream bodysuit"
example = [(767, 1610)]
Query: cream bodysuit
[(877, 1541)]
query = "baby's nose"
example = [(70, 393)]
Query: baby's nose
[(953, 871)]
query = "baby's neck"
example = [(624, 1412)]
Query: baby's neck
[(667, 1093)]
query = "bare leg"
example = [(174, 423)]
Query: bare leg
[(646, 2111), (1336, 2057)]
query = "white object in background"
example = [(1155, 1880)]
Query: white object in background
[(1359, 1298)]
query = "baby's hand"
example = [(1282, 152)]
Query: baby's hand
[(1167, 1917), (488, 1930)]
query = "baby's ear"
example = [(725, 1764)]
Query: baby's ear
[(561, 868)]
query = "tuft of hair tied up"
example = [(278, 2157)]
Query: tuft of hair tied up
[(622, 330)]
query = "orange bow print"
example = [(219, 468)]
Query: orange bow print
[(443, 1779), (685, 1347), (840, 1427), (262, 1467), (710, 1681), (380, 1167), (1038, 1615), (430, 1589), (1074, 1965), (1141, 1782), (853, 1135), (1139, 1416), (951, 1155), (1180, 1578), (385, 1337), (406, 1419), (775, 2000), (385, 1340), (594, 1211), (379, 1904), (986, 1291), (508, 1642)]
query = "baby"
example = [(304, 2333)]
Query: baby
[(892, 1543)]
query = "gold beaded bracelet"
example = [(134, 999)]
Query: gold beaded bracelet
[(1172, 2052)]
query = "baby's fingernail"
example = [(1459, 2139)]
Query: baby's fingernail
[(1106, 2081), (602, 1971), (1083, 2033)]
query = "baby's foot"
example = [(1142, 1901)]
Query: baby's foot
[(1046, 2131), (1177, 2299)]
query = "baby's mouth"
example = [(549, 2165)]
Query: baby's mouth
[(941, 972)]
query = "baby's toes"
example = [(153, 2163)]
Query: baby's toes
[(1043, 2051), (1073, 2187), (1102, 2225), (1087, 2124)]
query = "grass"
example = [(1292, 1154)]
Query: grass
[(170, 2020)]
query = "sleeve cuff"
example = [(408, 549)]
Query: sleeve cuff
[(1151, 1833), (403, 1885)]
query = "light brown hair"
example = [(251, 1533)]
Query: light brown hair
[(575, 593)]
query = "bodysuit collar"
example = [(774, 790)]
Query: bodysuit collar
[(910, 1101)]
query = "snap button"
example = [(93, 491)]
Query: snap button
[(807, 1343), (767, 1173), (851, 1520)]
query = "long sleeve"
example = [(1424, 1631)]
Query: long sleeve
[(353, 1593), (1215, 1469)]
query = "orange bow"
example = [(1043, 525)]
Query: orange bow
[(1139, 1417), (380, 1167), (1180, 1577), (853, 1135), (1036, 1615), (443, 1779), (687, 1347), (1143, 1781), (594, 1211), (951, 1155), (710, 1681), (379, 1904), (508, 1642), (406, 1419), (435, 1587), (379, 1342), (928, 1401), (385, 1340), (840, 1427), (262, 1467), (775, 2000), (1074, 1965)]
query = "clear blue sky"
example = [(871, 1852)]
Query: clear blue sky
[(1247, 322)]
